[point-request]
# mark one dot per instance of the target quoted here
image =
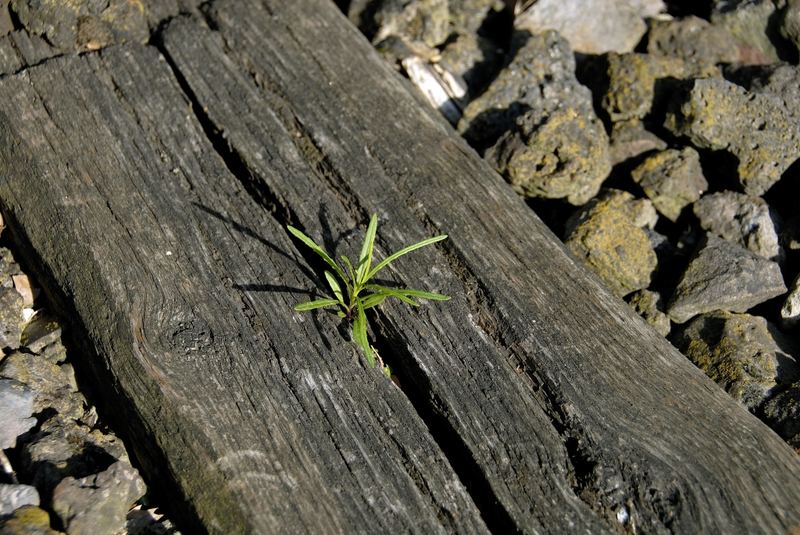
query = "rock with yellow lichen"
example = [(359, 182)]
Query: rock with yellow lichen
[(782, 413), (672, 179), (638, 83), (538, 123), (560, 155), (608, 237), (27, 520), (744, 354), (650, 307), (756, 127)]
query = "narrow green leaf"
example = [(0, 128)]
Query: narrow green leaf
[(317, 249), (360, 333), (391, 292), (431, 296), (373, 300), (391, 258), (365, 258), (319, 303), (334, 284), (349, 267)]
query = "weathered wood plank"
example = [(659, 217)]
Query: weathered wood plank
[(643, 433), (264, 420)]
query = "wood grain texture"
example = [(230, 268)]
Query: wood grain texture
[(642, 431), (556, 406), (264, 420)]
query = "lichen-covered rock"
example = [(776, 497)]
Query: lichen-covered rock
[(630, 139), (744, 354), (11, 319), (72, 26), (539, 75), (605, 236), (724, 276), (591, 26), (692, 39), (649, 306), (755, 127), (54, 386), (16, 409), (672, 179), (27, 520), (740, 218), (98, 503), (753, 24), (551, 144), (790, 311), (782, 413), (562, 154), (640, 83)]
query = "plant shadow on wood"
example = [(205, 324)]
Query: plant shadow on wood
[(279, 288)]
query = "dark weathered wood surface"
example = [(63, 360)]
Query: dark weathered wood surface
[(557, 407), (267, 422)]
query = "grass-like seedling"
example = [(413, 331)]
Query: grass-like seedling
[(353, 293)]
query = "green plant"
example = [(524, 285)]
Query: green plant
[(354, 293)]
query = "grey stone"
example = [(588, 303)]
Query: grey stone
[(16, 408), (591, 26), (790, 234), (98, 503), (672, 179), (12, 497), (8, 267), (724, 276), (649, 306), (54, 386), (539, 75), (426, 21), (692, 39), (752, 24), (551, 143), (473, 58), (64, 448), (630, 139), (40, 332), (11, 319), (782, 413), (755, 127), (27, 520), (781, 80), (742, 219), (744, 354), (467, 16), (6, 24), (606, 237), (790, 23), (790, 311)]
